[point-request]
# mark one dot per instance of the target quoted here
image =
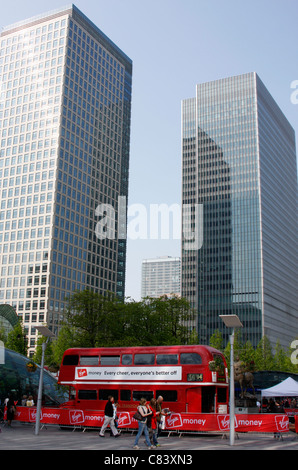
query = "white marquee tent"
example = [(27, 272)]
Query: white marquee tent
[(286, 388)]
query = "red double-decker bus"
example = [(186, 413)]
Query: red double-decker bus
[(191, 379)]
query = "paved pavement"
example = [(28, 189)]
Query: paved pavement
[(22, 437)]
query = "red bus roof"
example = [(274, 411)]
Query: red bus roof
[(204, 351)]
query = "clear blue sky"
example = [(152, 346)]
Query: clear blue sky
[(175, 44)]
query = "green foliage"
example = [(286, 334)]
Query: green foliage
[(92, 320), (16, 340), (264, 358), (216, 340), (3, 335), (258, 359), (38, 352)]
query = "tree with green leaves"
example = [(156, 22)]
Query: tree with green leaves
[(256, 359), (216, 340), (93, 320), (264, 358), (16, 339), (87, 314), (162, 321)]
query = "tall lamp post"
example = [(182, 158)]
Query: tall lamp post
[(48, 334), (232, 321)]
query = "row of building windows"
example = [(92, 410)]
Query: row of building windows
[(27, 36), (91, 46), (22, 293)]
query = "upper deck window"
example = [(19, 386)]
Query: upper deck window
[(126, 359), (144, 359), (71, 360), (89, 360), (190, 358), (163, 359), (109, 360)]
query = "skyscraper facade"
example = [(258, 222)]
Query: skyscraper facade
[(161, 276), (239, 163), (65, 105)]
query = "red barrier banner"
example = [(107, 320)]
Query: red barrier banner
[(174, 422), (291, 411)]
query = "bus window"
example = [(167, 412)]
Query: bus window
[(103, 394), (89, 360), (190, 358), (126, 359), (125, 395), (109, 360), (221, 395), (87, 395), (144, 359), (138, 394), (167, 359), (71, 360), (168, 395)]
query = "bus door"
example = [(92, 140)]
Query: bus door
[(193, 400), (208, 399)]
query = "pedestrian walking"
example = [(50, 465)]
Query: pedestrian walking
[(153, 428), (109, 418), (11, 409), (115, 416), (160, 415), (142, 424)]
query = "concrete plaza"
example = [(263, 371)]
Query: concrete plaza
[(22, 437)]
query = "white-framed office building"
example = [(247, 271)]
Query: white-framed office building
[(161, 276), (65, 106)]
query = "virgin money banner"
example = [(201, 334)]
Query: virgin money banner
[(291, 411), (128, 373), (174, 422)]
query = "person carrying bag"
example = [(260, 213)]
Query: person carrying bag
[(142, 424)]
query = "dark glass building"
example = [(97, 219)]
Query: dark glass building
[(239, 163)]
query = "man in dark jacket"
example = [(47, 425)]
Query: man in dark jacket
[(109, 418)]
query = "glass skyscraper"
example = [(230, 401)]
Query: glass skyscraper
[(239, 163), (65, 106)]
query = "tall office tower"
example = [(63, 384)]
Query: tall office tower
[(65, 108), (161, 276), (239, 163)]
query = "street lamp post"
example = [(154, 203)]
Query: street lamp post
[(232, 321), (45, 332)]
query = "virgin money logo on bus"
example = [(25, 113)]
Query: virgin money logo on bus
[(174, 421), (124, 419), (81, 373), (282, 423), (76, 417)]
